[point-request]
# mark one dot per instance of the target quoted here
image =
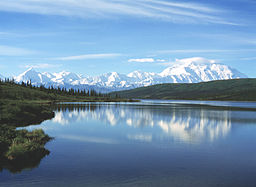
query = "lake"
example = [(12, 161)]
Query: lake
[(152, 143)]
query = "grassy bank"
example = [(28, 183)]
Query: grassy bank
[(22, 105), (18, 114), (228, 90), (21, 149)]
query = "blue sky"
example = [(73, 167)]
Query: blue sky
[(98, 36)]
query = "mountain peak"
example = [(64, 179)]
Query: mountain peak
[(199, 69), (31, 69), (29, 72), (190, 70), (134, 73), (193, 61), (32, 75), (140, 75), (115, 74)]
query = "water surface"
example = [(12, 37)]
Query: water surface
[(145, 144)]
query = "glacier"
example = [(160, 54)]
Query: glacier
[(192, 71)]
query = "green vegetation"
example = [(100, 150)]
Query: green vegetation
[(22, 105), (25, 92), (16, 144), (229, 90), (21, 149), (19, 114)]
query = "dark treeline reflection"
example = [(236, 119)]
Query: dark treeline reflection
[(77, 107), (22, 149), (189, 123)]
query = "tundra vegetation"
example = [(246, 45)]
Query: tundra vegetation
[(22, 105)]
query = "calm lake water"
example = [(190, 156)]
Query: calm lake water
[(146, 144)]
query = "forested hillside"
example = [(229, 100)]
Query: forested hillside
[(234, 90)]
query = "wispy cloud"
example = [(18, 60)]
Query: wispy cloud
[(193, 6), (237, 38), (205, 51), (42, 66), (249, 41), (146, 60), (141, 60), (166, 10), (11, 34), (248, 58), (14, 51), (5, 34), (88, 56)]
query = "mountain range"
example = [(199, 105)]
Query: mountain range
[(182, 72)]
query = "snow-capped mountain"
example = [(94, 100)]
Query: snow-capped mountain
[(187, 71), (1, 77), (35, 77), (194, 70)]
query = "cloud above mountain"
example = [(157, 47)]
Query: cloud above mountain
[(197, 60), (141, 60), (146, 60)]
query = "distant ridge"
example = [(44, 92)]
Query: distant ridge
[(192, 70), (230, 90)]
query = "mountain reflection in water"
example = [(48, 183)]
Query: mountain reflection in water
[(177, 121), (144, 144)]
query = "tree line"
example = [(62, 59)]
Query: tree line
[(58, 90)]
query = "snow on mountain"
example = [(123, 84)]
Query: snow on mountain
[(112, 80), (190, 70), (36, 78), (1, 77), (139, 75), (197, 69), (66, 77)]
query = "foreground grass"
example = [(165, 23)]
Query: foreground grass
[(21, 149), (21, 144)]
